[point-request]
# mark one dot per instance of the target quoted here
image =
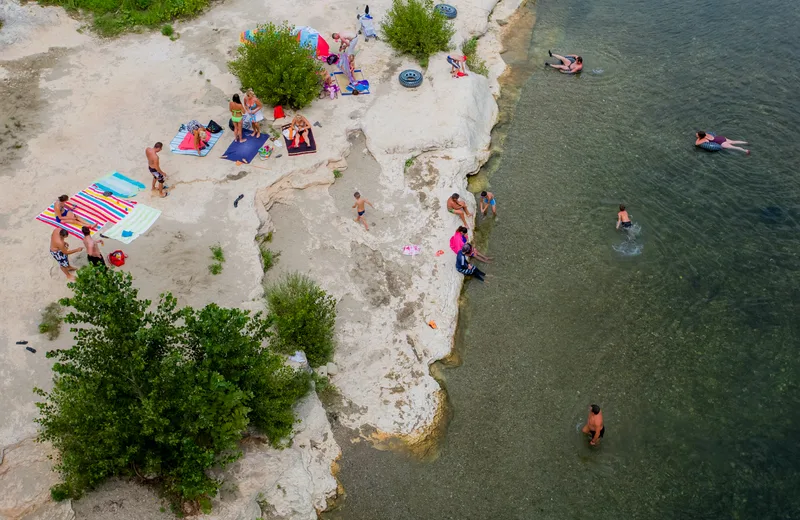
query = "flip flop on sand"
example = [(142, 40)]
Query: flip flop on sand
[(23, 342), (236, 202)]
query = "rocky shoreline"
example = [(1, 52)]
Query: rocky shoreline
[(407, 150)]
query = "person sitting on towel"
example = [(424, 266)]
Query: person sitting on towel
[(201, 137), (299, 130), (65, 213)]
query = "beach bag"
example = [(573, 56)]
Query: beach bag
[(332, 59), (214, 127), (278, 112), (117, 258)]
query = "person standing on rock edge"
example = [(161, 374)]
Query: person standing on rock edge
[(361, 209), (594, 425), (155, 168), (457, 207)]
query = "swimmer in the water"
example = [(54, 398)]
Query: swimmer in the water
[(623, 219), (571, 63), (724, 142), (594, 426)]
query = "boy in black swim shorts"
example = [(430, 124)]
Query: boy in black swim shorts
[(361, 209)]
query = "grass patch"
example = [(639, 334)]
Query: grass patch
[(409, 163), (215, 268), (167, 30), (474, 63), (268, 257), (113, 17), (337, 174), (217, 254), (51, 321)]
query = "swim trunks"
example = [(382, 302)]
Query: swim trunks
[(492, 202), (451, 210), (96, 260), (361, 213), (602, 432), (627, 224), (61, 258), (719, 139), (159, 177)]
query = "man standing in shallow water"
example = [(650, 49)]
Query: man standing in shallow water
[(594, 425)]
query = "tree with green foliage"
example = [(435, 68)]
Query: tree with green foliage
[(278, 69), (161, 393), (304, 317), (414, 27)]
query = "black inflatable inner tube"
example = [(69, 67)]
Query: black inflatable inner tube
[(447, 10), (410, 78)]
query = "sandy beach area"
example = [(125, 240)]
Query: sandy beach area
[(74, 108)]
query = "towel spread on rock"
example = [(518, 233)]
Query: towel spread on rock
[(93, 207), (184, 135), (119, 185), (136, 223), (246, 151), (303, 148)]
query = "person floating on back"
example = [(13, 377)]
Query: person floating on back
[(571, 63), (623, 219), (464, 267), (487, 200), (361, 209), (723, 141), (457, 207), (594, 425)]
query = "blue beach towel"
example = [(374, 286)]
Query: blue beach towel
[(119, 185), (245, 151), (176, 141)]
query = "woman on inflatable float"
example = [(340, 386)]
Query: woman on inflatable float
[(713, 143), (570, 64)]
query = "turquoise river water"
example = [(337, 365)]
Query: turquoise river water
[(686, 334)]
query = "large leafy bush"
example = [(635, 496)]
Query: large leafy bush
[(277, 68), (304, 316), (414, 27), (160, 393)]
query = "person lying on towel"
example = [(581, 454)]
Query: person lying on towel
[(299, 130), (201, 137)]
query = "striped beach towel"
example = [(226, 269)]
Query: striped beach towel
[(92, 206), (178, 139), (136, 223)]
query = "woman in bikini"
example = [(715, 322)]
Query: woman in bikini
[(254, 114), (724, 142), (300, 126), (65, 213), (237, 113), (570, 64)]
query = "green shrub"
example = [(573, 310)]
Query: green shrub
[(474, 63), (217, 254), (215, 268), (414, 27), (167, 30), (112, 17), (268, 257), (337, 174), (277, 68), (304, 317), (159, 390), (51, 321)]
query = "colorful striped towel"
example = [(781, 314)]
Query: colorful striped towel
[(178, 139), (120, 185), (136, 223), (93, 207)]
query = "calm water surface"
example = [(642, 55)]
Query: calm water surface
[(687, 335)]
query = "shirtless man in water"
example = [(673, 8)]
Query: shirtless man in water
[(571, 63), (623, 219), (155, 168), (594, 425)]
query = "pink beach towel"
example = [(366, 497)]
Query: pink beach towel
[(188, 141), (457, 241)]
